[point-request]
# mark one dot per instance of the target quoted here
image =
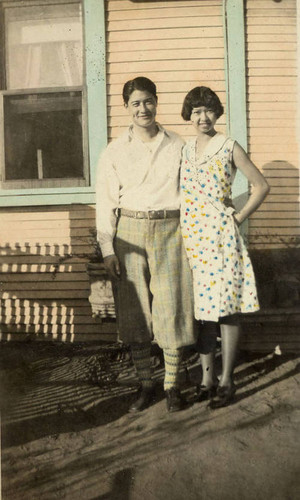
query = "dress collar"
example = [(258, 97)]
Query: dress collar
[(213, 146)]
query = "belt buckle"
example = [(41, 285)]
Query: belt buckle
[(156, 214)]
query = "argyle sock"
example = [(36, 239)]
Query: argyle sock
[(141, 360), (172, 365)]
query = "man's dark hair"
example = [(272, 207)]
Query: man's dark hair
[(138, 83), (201, 96)]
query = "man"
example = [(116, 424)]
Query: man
[(139, 233)]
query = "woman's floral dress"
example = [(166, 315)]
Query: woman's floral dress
[(223, 277)]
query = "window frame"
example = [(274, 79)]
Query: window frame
[(55, 182), (94, 111)]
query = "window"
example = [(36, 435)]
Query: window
[(42, 107)]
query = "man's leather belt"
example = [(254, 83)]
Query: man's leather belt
[(151, 214)]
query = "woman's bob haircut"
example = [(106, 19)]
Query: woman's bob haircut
[(201, 96), (138, 83)]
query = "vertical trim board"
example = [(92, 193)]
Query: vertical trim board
[(235, 66), (95, 56)]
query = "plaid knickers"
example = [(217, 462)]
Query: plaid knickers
[(154, 296)]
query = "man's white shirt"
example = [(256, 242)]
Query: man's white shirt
[(138, 176)]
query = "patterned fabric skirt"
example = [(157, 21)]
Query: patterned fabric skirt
[(223, 277)]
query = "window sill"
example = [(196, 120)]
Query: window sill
[(47, 196)]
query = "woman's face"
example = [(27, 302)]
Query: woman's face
[(203, 119), (142, 108)]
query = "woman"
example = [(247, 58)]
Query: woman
[(223, 279)]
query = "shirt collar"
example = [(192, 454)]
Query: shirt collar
[(130, 136)]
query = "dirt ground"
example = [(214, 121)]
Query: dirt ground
[(66, 433)]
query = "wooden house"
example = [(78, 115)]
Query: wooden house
[(62, 67)]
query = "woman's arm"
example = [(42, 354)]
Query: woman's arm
[(259, 185)]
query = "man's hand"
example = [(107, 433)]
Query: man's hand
[(95, 269), (112, 266)]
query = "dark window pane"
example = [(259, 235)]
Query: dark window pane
[(43, 136)]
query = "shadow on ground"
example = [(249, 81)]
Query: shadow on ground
[(50, 389)]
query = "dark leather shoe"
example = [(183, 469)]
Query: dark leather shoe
[(175, 401), (223, 397), (205, 393), (144, 400)]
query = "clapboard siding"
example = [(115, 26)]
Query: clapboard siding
[(271, 55), (139, 35), (44, 284), (271, 330), (183, 11), (117, 48), (177, 44), (123, 5)]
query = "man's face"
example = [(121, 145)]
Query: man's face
[(142, 108)]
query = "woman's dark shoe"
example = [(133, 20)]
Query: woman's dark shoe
[(223, 397), (144, 400), (205, 393), (175, 402)]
